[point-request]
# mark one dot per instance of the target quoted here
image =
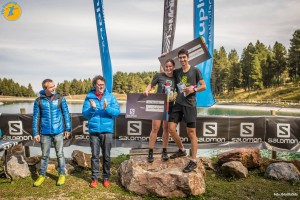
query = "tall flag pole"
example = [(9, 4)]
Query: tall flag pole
[(170, 12), (204, 26), (103, 44)]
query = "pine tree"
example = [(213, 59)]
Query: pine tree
[(280, 62), (294, 56), (235, 72)]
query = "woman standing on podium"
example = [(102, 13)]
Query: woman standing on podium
[(166, 84)]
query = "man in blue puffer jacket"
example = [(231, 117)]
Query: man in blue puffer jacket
[(100, 108), (51, 123)]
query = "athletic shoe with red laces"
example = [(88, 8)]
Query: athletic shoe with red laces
[(93, 183), (106, 183)]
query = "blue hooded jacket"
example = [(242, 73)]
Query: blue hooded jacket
[(100, 120), (50, 116)]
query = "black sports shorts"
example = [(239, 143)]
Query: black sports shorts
[(171, 104), (189, 114)]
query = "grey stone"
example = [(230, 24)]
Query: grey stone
[(283, 171), (17, 167)]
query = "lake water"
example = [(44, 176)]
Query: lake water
[(216, 110), (224, 110)]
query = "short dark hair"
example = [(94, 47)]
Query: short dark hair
[(47, 80), (171, 61), (96, 78), (183, 51)]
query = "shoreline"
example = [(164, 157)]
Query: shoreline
[(270, 107), (219, 102)]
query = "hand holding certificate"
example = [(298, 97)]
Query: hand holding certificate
[(197, 49), (153, 106)]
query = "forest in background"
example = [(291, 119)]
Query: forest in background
[(259, 67)]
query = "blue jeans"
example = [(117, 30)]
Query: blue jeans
[(58, 141), (103, 141)]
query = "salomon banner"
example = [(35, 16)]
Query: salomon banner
[(283, 133), (170, 12), (103, 44), (204, 26), (273, 133), (247, 129)]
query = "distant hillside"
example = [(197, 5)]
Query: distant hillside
[(289, 92)]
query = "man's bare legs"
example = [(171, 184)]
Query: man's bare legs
[(174, 134), (181, 152), (177, 140), (194, 143)]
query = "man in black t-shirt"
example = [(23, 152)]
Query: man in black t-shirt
[(189, 81)]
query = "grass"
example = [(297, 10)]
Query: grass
[(76, 186), (255, 186), (287, 92)]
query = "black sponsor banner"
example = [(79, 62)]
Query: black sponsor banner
[(153, 106), (170, 13), (80, 132), (16, 127), (139, 130), (212, 129), (247, 129), (283, 132), (277, 133), (198, 53), (134, 129)]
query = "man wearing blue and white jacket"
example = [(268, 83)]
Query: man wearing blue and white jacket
[(100, 108), (51, 122)]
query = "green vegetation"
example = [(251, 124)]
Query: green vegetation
[(259, 67), (9, 88), (255, 186)]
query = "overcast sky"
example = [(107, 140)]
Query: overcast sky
[(58, 39)]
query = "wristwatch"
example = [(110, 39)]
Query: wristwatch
[(195, 89)]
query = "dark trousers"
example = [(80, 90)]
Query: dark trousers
[(103, 141)]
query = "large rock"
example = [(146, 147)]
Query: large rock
[(70, 169), (283, 171), (15, 150), (17, 167), (52, 165), (33, 160), (234, 169), (163, 179), (249, 157), (82, 159), (296, 163), (209, 164)]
